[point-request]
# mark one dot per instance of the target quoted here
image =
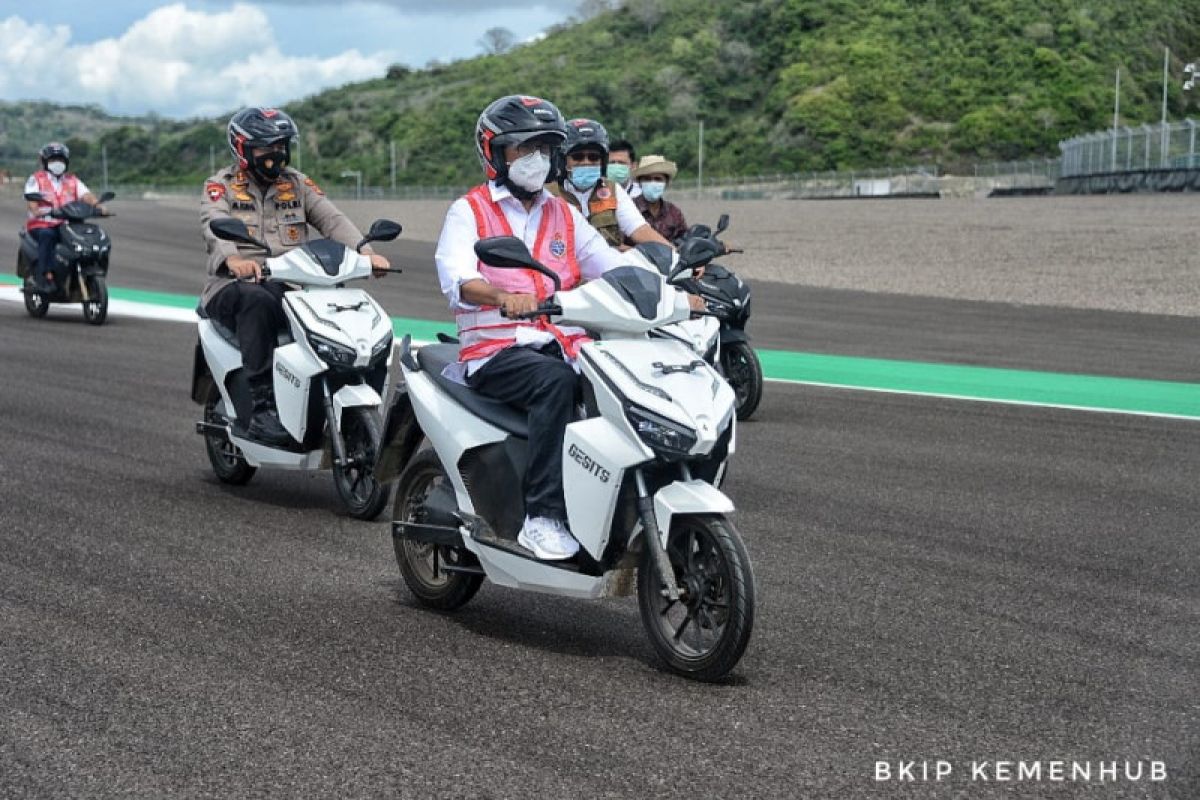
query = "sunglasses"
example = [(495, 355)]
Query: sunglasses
[(587, 157)]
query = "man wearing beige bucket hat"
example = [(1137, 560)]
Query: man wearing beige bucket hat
[(654, 173)]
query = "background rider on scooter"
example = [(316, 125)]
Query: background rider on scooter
[(277, 203), (57, 188), (605, 203)]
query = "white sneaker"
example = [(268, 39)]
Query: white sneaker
[(547, 538)]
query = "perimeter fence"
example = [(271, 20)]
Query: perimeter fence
[(1162, 157)]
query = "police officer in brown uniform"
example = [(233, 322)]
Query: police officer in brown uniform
[(606, 205), (277, 203)]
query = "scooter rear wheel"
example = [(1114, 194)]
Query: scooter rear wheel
[(742, 369), (703, 634), (361, 492), (423, 565), (227, 462), (35, 303)]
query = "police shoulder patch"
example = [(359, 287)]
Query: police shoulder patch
[(310, 184), (214, 190)]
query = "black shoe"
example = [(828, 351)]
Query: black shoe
[(43, 286), (265, 427)]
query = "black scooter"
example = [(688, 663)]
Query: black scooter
[(81, 262), (728, 299)]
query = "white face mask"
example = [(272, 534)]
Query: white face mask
[(56, 167), (530, 172)]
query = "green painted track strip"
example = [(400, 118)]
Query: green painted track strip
[(1064, 390)]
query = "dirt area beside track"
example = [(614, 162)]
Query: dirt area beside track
[(1124, 253)]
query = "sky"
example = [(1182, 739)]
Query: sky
[(205, 57)]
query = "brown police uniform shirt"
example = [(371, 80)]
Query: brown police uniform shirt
[(279, 216)]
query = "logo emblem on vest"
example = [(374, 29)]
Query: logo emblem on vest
[(558, 248)]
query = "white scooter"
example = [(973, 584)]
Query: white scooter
[(641, 465), (700, 333), (330, 369), (719, 337)]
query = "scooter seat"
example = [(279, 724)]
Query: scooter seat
[(284, 337), (434, 358)]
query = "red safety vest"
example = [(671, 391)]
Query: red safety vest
[(486, 332), (68, 194)]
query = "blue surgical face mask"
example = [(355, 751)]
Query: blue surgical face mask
[(585, 178), (653, 190), (618, 173)]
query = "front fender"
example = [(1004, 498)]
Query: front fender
[(729, 335), (354, 395), (401, 436), (687, 497)]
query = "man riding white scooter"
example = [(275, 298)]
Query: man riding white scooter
[(523, 362), (277, 203)]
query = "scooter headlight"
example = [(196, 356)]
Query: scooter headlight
[(382, 347), (331, 352), (668, 439)]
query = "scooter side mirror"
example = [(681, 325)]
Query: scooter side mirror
[(722, 223), (382, 230), (232, 229), (509, 252), (694, 253), (104, 198)]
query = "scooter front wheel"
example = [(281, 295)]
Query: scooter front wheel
[(227, 462), (742, 369), (704, 633), (362, 494), (431, 571), (95, 308)]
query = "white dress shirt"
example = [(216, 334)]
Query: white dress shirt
[(457, 262), (629, 219)]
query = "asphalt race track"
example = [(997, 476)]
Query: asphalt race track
[(938, 580)]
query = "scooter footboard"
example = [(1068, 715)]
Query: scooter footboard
[(687, 497)]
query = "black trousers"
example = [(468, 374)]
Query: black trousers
[(254, 311), (544, 385), (46, 239)]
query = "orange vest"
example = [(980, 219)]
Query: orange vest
[(486, 331), (68, 194)]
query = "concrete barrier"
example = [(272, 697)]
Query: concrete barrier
[(1146, 180)]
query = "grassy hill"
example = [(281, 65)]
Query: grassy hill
[(782, 85), (26, 126)]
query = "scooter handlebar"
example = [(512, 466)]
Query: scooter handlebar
[(546, 309)]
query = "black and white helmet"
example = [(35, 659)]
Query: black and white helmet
[(55, 150), (512, 120), (587, 134), (259, 127)]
